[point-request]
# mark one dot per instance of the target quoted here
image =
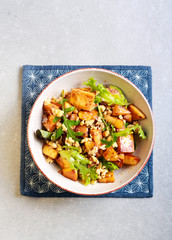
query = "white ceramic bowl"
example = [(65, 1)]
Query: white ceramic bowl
[(75, 79)]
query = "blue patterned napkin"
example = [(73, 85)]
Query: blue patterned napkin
[(32, 181)]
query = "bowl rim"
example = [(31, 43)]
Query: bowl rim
[(150, 151)]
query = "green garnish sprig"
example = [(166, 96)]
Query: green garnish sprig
[(69, 123), (125, 132), (80, 162)]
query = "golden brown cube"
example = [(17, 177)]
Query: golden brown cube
[(62, 162), (128, 118), (50, 108), (56, 103), (109, 178), (86, 115), (131, 159), (97, 136), (110, 154), (126, 144), (49, 125), (73, 116), (118, 123), (49, 151), (70, 173), (82, 99), (82, 129), (119, 110), (119, 163), (136, 113), (89, 146)]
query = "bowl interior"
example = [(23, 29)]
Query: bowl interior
[(73, 80)]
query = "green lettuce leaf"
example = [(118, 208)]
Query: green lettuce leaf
[(43, 134), (79, 162), (104, 94), (122, 97), (109, 165), (56, 134), (131, 130)]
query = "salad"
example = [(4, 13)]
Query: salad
[(90, 132)]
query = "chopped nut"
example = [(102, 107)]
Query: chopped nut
[(93, 127), (57, 112), (93, 151), (94, 160), (76, 144), (47, 101), (115, 145), (101, 171), (86, 140), (82, 122), (52, 144), (69, 141), (109, 111), (102, 108), (103, 147), (59, 147), (58, 125), (64, 128), (89, 123)]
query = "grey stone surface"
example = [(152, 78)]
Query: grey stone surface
[(84, 32)]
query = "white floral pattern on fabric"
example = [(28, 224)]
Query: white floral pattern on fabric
[(36, 81)]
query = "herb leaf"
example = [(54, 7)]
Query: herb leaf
[(109, 143), (109, 165), (70, 109), (69, 123), (57, 133), (56, 119), (130, 130), (43, 134)]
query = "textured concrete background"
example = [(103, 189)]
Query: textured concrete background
[(84, 32)]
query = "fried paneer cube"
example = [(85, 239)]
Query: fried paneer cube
[(97, 136), (49, 124), (88, 115), (82, 99), (110, 154), (62, 162), (70, 173), (82, 129), (119, 110), (49, 151), (136, 113), (118, 123), (128, 118), (126, 144), (131, 159)]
